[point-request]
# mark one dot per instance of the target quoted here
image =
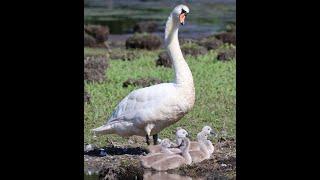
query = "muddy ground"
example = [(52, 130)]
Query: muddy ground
[(115, 162)]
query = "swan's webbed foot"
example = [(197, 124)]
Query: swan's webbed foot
[(155, 139), (147, 139)]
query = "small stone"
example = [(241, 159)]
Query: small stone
[(89, 147), (145, 26), (95, 68), (143, 41), (164, 60)]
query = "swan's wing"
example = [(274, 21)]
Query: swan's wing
[(146, 103)]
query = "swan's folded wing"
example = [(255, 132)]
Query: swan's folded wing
[(147, 102)]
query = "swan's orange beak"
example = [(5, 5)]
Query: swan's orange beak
[(182, 16)]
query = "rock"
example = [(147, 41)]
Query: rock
[(125, 55), (164, 60), (89, 147), (227, 37), (144, 82), (100, 33), (143, 41), (89, 41), (95, 68), (226, 54), (145, 26), (211, 43), (193, 49)]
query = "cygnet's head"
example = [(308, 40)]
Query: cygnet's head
[(202, 136), (179, 13), (208, 130), (181, 133)]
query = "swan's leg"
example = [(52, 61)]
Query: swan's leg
[(155, 139), (148, 129), (147, 139)]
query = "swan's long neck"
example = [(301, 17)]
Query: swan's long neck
[(183, 76), (202, 139), (185, 151)]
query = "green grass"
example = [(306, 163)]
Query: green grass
[(215, 84)]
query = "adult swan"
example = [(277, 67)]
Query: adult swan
[(147, 111)]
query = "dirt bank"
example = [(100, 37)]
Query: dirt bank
[(123, 163)]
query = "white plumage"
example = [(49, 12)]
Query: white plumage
[(149, 110)]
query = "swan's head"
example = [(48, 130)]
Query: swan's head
[(202, 136), (208, 130), (182, 133), (180, 13)]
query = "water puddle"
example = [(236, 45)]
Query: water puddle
[(207, 16), (150, 175)]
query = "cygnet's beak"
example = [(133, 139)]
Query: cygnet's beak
[(213, 133), (187, 136)]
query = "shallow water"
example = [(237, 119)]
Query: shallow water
[(91, 177), (206, 16), (148, 175)]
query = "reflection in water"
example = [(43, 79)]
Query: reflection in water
[(148, 175), (91, 177)]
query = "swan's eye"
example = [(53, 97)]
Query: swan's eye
[(184, 12)]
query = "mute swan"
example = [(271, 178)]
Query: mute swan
[(174, 161), (180, 133), (146, 161), (194, 145), (147, 111)]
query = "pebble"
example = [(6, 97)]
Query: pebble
[(89, 147)]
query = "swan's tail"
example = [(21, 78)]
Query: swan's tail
[(104, 129)]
